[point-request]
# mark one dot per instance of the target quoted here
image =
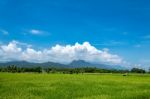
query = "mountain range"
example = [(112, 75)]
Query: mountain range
[(73, 64)]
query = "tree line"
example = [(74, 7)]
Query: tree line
[(15, 69)]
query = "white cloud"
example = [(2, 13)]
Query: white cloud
[(4, 32), (58, 53), (137, 66), (37, 32), (10, 52)]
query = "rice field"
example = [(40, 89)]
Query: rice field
[(74, 86)]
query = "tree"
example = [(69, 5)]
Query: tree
[(137, 70)]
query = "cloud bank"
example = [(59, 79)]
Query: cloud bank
[(63, 54)]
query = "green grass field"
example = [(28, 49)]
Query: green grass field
[(74, 86)]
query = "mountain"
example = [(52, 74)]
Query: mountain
[(29, 64), (73, 64), (81, 63)]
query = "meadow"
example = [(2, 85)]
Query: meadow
[(74, 86)]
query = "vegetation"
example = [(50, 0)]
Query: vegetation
[(73, 83), (74, 86), (137, 70), (15, 69)]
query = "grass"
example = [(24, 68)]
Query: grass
[(75, 86)]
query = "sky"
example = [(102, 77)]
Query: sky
[(101, 31)]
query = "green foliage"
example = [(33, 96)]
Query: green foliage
[(14, 69), (137, 70)]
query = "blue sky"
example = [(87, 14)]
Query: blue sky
[(122, 26)]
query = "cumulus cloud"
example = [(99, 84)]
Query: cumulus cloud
[(10, 52), (58, 53)]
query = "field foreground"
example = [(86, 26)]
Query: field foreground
[(74, 86)]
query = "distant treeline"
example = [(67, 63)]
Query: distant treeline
[(15, 69)]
